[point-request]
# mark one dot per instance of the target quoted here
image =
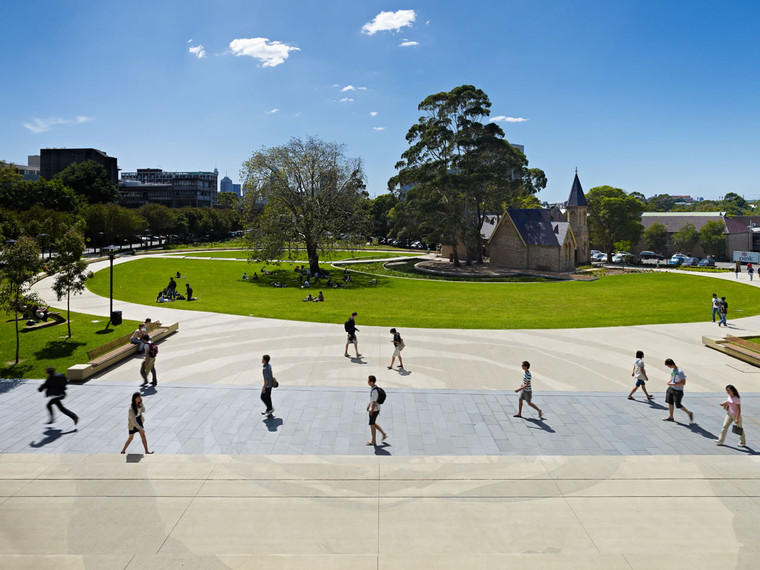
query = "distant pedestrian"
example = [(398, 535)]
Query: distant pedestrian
[(351, 330), (136, 422), (750, 271), (733, 407), (398, 346), (266, 389), (737, 268), (171, 289), (715, 306), (722, 311), (189, 293), (674, 395), (149, 362), (376, 399), (55, 389), (526, 392), (640, 373)]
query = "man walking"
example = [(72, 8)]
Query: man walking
[(266, 389), (640, 373), (375, 401), (715, 305), (351, 330), (674, 395), (526, 392), (149, 362), (722, 311), (55, 389), (398, 346)]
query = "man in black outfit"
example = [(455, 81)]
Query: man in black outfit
[(55, 387), (351, 330)]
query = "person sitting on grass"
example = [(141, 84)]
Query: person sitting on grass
[(306, 284), (161, 298), (309, 298), (189, 293), (255, 276), (244, 277), (320, 298)]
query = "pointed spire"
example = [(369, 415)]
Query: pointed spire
[(577, 197)]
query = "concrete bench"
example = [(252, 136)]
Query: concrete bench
[(115, 351), (737, 347)]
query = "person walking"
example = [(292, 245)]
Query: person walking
[(136, 422), (55, 389), (750, 271), (149, 362), (398, 346), (351, 330), (674, 395), (733, 407), (722, 311), (266, 389), (715, 306), (737, 268), (376, 399), (526, 392), (640, 373)]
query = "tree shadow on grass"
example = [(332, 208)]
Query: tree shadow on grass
[(56, 349), (15, 371)]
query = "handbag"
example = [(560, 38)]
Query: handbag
[(738, 430), (275, 383)]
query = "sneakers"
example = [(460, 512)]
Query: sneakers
[(153, 383), (346, 355), (267, 412), (631, 398), (144, 383), (691, 417), (390, 367), (668, 419)]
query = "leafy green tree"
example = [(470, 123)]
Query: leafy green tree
[(380, 209), (660, 203), (20, 262), (456, 170), (90, 180), (312, 194), (686, 238), (734, 205), (613, 216), (713, 238), (656, 237), (158, 218), (228, 199), (9, 178), (70, 269), (109, 224)]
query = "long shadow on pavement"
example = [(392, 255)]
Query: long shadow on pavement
[(51, 434), (273, 423), (541, 424), (697, 429)]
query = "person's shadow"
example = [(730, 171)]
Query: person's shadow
[(148, 390), (51, 434), (697, 429), (273, 423), (357, 360), (382, 449), (541, 424)]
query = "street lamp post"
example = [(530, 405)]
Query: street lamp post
[(111, 249), (751, 227)]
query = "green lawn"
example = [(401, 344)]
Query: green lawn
[(332, 256), (50, 347), (632, 299)]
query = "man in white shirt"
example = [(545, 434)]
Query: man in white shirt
[(374, 410)]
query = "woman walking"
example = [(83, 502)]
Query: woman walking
[(136, 420), (733, 407)]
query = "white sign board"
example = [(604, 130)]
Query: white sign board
[(747, 256)]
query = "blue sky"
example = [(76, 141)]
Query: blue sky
[(649, 96)]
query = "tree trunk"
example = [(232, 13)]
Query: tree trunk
[(456, 257), (15, 320), (313, 257), (68, 310)]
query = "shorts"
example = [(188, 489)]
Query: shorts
[(673, 396), (134, 431), (640, 382), (526, 395), (351, 338), (397, 351), (373, 417)]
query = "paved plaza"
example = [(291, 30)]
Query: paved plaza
[(602, 482)]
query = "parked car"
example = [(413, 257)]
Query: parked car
[(706, 262), (644, 255), (677, 259), (599, 256), (690, 262), (621, 257), (593, 252)]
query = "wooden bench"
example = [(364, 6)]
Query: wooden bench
[(736, 347), (115, 351)]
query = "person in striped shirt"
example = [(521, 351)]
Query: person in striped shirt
[(526, 392)]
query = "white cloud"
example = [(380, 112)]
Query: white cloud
[(373, 113), (44, 125), (347, 100), (198, 51), (348, 88), (378, 128), (503, 119), (362, 88), (407, 43), (387, 21), (273, 111), (271, 53)]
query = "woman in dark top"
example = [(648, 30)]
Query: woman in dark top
[(136, 422)]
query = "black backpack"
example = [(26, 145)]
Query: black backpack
[(380, 394), (347, 326)]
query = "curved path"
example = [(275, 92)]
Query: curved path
[(227, 349)]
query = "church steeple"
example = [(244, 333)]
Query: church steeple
[(577, 197), (577, 214)]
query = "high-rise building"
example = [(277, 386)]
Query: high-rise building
[(55, 160), (225, 185), (174, 189)]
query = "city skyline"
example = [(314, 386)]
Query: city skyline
[(647, 97)]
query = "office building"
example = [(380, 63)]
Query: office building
[(173, 189), (55, 160)]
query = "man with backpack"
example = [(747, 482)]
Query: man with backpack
[(149, 363), (351, 330), (376, 399), (55, 389)]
